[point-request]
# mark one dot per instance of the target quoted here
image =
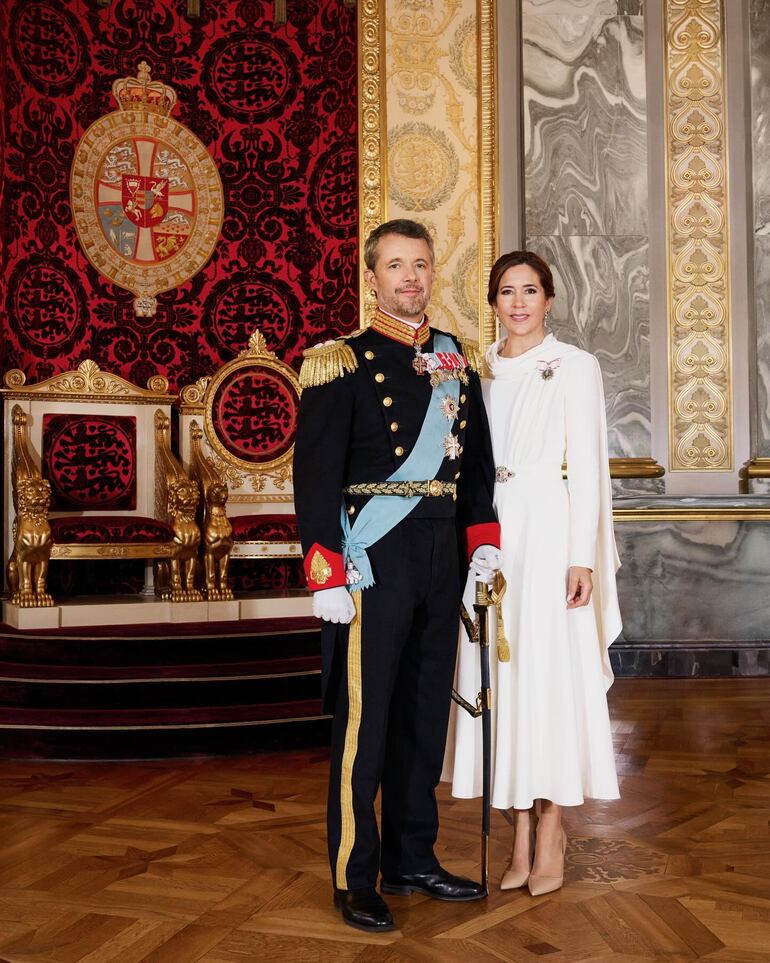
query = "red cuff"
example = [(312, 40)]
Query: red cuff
[(323, 568), (487, 533)]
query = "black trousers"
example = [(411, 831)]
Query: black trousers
[(394, 667)]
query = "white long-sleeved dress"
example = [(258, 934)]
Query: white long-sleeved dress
[(551, 735)]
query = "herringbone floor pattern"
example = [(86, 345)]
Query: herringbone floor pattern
[(223, 860)]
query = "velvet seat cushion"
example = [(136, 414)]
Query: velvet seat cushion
[(97, 529), (265, 528)]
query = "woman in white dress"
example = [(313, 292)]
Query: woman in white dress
[(551, 738)]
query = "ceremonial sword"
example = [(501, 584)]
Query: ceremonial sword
[(478, 631)]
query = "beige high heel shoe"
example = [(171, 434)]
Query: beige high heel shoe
[(514, 878), (540, 885)]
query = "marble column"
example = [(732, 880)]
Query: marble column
[(585, 185), (760, 99)]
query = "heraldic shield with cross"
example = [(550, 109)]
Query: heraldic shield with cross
[(146, 194)]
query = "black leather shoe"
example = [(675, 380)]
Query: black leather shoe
[(439, 884), (364, 909)]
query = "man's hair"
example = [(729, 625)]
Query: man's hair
[(402, 226)]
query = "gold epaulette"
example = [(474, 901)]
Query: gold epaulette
[(326, 362), (474, 357)]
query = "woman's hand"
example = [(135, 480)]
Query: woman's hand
[(580, 585)]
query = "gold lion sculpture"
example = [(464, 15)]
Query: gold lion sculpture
[(178, 498), (175, 577), (217, 531), (28, 565), (217, 543)]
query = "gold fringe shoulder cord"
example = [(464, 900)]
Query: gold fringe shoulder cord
[(474, 357), (326, 362)]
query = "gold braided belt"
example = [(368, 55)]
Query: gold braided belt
[(406, 489)]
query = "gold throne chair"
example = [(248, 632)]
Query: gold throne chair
[(106, 485), (236, 434)]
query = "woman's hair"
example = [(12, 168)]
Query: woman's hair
[(513, 259)]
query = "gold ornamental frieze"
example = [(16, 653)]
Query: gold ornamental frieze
[(146, 195), (699, 330), (372, 120), (488, 173)]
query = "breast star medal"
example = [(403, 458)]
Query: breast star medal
[(449, 408), (452, 447)]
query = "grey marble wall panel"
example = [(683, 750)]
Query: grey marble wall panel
[(602, 306), (762, 314), (760, 101), (694, 582), (590, 8), (585, 125), (585, 177)]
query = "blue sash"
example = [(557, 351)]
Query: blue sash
[(383, 512)]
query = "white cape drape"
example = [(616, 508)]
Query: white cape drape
[(551, 728)]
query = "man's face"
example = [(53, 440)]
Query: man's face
[(403, 276)]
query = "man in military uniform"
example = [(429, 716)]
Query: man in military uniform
[(392, 472)]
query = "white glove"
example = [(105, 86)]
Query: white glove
[(485, 561), (334, 605)]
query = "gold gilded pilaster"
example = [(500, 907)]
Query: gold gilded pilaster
[(438, 163), (698, 273), (372, 139), (489, 243)]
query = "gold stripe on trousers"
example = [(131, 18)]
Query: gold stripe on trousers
[(348, 833)]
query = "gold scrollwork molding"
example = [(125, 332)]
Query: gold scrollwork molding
[(630, 468), (700, 364), (114, 550), (635, 468), (694, 513), (372, 140), (489, 242), (88, 383), (756, 468)]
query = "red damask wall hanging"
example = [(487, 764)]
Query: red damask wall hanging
[(275, 106)]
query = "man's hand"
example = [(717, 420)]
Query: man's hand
[(580, 585), (485, 561), (334, 605)]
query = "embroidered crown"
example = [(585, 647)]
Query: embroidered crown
[(142, 93)]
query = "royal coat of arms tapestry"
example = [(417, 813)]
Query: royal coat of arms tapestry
[(146, 195)]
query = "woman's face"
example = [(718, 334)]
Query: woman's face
[(521, 303)]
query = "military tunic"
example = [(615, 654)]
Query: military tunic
[(387, 677)]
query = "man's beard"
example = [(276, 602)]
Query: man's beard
[(408, 305)]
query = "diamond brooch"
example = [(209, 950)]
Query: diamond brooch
[(547, 368)]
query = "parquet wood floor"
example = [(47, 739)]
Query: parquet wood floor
[(223, 860)]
